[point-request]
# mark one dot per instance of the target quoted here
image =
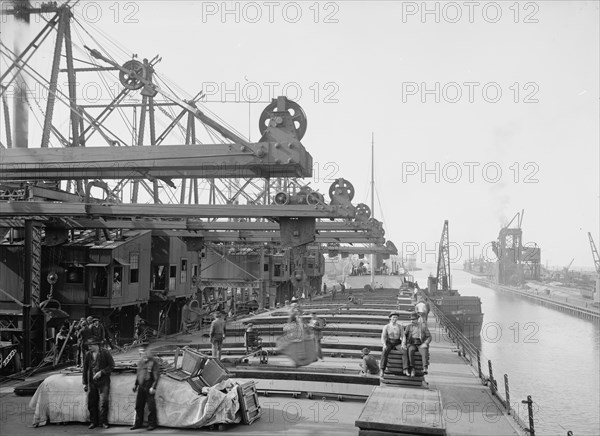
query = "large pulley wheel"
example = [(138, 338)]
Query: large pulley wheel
[(313, 198), (131, 79), (281, 198), (296, 112), (341, 187), (363, 212)]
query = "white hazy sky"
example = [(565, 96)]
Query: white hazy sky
[(361, 67)]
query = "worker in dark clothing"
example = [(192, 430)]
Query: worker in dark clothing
[(148, 373), (83, 335), (416, 337), (217, 334), (99, 331), (97, 366)]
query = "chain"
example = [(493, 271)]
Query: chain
[(49, 296), (8, 358)]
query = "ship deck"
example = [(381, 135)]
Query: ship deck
[(326, 397)]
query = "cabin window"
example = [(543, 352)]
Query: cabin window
[(310, 266), (98, 281), (172, 276), (183, 272), (73, 274), (117, 289), (134, 265), (195, 271), (266, 267), (158, 277), (277, 270)]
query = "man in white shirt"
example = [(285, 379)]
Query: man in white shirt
[(422, 309), (391, 337)]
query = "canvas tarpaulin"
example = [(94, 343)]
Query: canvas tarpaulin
[(60, 398)]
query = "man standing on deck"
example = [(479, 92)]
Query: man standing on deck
[(217, 335), (148, 373), (97, 366), (422, 309), (416, 336), (317, 325), (391, 337), (83, 335)]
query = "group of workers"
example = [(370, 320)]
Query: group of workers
[(78, 333), (407, 339), (98, 365)]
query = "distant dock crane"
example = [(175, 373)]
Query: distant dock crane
[(596, 266)]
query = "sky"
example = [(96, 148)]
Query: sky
[(478, 110)]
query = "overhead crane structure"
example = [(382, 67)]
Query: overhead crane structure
[(52, 190), (194, 154)]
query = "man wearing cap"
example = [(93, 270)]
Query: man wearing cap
[(416, 336), (97, 366), (148, 373), (368, 364), (317, 325), (391, 337), (83, 335), (217, 334), (98, 330)]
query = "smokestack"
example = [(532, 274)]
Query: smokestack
[(21, 111)]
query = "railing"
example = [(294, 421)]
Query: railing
[(472, 355)]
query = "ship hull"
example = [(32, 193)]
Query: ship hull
[(463, 312)]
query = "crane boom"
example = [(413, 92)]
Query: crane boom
[(444, 281), (594, 254)]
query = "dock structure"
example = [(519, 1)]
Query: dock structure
[(329, 396), (575, 307)]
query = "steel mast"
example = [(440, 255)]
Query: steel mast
[(372, 203)]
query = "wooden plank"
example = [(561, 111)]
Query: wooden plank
[(381, 433), (408, 410)]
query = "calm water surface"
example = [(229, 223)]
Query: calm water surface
[(552, 356)]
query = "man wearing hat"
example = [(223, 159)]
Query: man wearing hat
[(148, 373), (217, 334), (97, 366), (368, 364), (317, 325), (416, 336), (83, 335), (391, 337)]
